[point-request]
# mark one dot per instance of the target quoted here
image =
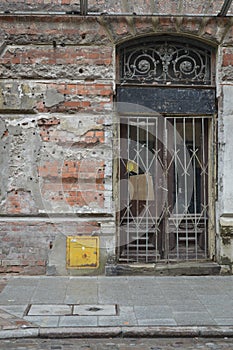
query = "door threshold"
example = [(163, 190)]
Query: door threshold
[(197, 268)]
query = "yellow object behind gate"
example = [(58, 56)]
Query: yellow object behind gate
[(132, 166)]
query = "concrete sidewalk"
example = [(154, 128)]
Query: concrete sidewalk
[(113, 306)]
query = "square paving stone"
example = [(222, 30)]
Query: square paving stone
[(145, 299), (116, 298), (16, 281), (215, 300), (153, 312), (16, 310), (50, 310), (95, 310), (157, 322), (16, 294), (195, 306), (220, 311), (78, 321), (126, 317), (43, 321), (113, 290), (50, 290), (193, 319), (81, 290), (108, 321), (224, 321)]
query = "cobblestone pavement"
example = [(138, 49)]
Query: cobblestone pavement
[(118, 344)]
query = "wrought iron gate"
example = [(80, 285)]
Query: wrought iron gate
[(166, 159), (164, 167)]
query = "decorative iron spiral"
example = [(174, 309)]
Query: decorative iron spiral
[(165, 62)]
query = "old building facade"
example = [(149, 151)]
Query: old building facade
[(116, 123)]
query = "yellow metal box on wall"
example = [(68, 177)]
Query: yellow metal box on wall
[(82, 252)]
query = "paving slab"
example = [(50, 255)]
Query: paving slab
[(70, 303), (43, 321), (126, 317), (52, 310), (157, 322), (152, 312), (94, 310), (219, 311), (82, 290), (208, 299), (123, 320), (16, 310), (194, 319), (78, 321), (186, 306), (16, 294), (145, 299), (26, 281), (11, 322), (50, 290), (224, 321)]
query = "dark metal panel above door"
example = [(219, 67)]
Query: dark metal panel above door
[(166, 100)]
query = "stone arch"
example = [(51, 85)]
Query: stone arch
[(211, 30)]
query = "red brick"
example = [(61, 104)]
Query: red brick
[(227, 57), (48, 122)]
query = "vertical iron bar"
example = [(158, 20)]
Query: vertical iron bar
[(165, 186), (225, 8), (185, 187), (194, 184), (83, 7), (147, 202), (204, 181), (128, 189), (138, 208), (156, 187), (176, 190)]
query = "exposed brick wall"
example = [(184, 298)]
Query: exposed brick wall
[(83, 96), (227, 65), (20, 202), (120, 6), (25, 245), (39, 5), (57, 122), (56, 62), (77, 183), (55, 163), (47, 30)]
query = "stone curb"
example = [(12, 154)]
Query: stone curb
[(124, 332), (81, 332), (19, 333)]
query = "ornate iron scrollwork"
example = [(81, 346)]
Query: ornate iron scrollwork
[(165, 62)]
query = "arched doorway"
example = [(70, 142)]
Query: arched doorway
[(166, 107)]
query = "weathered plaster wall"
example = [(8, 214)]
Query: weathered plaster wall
[(56, 123), (120, 6), (56, 94), (224, 215)]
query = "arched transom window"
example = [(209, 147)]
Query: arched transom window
[(163, 60)]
